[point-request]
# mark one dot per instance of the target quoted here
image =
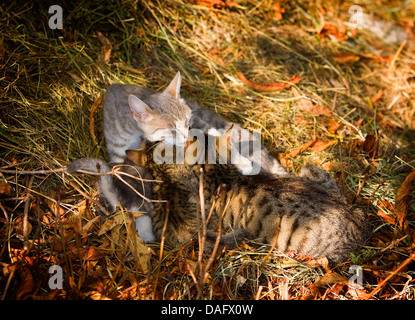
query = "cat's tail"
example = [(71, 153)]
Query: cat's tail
[(106, 183)]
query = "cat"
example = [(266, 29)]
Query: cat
[(133, 113), (259, 160), (115, 192), (307, 213)]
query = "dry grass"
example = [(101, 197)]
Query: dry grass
[(50, 79)]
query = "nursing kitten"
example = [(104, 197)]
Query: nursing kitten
[(307, 213), (258, 161), (133, 113), (115, 192)]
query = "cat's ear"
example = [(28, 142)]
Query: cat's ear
[(173, 88), (140, 111)]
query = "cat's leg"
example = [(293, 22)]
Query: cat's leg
[(144, 228)]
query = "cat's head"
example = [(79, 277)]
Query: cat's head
[(165, 116)]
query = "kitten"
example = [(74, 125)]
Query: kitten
[(307, 213), (132, 113), (115, 192), (258, 160)]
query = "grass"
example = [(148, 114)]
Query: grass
[(50, 80)]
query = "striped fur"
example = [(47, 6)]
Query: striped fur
[(307, 213)]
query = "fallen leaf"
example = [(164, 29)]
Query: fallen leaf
[(27, 283), (296, 151), (346, 57), (370, 145), (111, 223), (333, 126), (139, 250), (278, 11), (94, 254), (105, 55), (308, 106), (218, 4), (321, 145), (377, 96), (89, 225), (269, 87), (403, 196), (328, 30), (329, 278), (386, 217), (5, 189)]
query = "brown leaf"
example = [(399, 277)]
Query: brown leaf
[(346, 57), (333, 126), (269, 87), (321, 145), (329, 30), (308, 106), (5, 189), (403, 196), (93, 254), (139, 250), (105, 55), (27, 283), (296, 151), (370, 145), (330, 278)]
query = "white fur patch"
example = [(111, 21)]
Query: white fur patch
[(144, 229), (214, 132)]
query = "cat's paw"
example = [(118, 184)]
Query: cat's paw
[(144, 228)]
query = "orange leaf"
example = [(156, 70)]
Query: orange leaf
[(388, 218), (278, 11), (333, 126), (346, 57), (328, 30), (214, 3), (403, 196), (377, 96), (321, 145), (296, 151), (269, 87), (306, 105)]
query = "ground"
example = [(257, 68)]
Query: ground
[(351, 111)]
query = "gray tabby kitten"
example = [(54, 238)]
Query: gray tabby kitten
[(115, 192), (259, 160), (132, 113), (307, 213)]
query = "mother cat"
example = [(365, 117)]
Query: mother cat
[(307, 213)]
